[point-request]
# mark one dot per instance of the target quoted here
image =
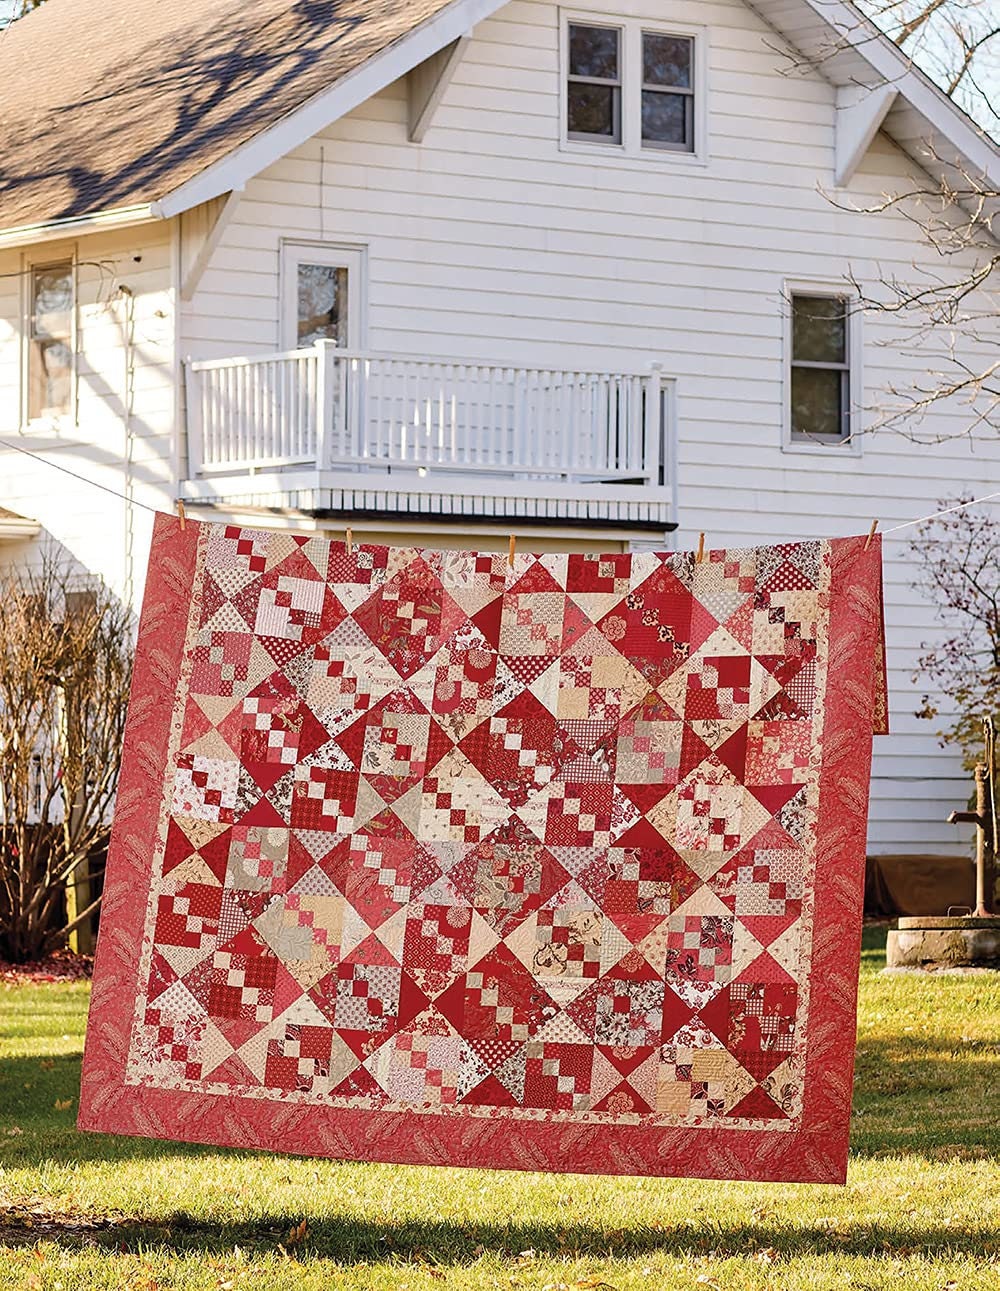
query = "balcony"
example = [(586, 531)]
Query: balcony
[(327, 429)]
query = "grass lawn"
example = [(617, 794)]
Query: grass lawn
[(921, 1210)]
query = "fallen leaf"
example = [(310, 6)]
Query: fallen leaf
[(296, 1235), (61, 1104)]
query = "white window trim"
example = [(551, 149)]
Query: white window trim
[(630, 71), (831, 287), (59, 421), (341, 255)]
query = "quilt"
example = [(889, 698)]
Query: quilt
[(552, 863)]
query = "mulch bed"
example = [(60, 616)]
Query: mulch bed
[(62, 966)]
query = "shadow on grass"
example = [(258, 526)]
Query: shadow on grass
[(912, 1095), (350, 1240)]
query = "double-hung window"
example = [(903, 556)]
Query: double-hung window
[(820, 377), (50, 340), (633, 87)]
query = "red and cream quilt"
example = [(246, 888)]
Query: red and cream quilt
[(426, 856)]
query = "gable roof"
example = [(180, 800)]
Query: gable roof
[(162, 106)]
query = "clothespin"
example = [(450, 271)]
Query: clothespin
[(699, 555), (349, 540), (871, 534), (510, 551), (180, 513)]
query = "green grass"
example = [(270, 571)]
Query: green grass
[(921, 1210)]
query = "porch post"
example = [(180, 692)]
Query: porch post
[(325, 400)]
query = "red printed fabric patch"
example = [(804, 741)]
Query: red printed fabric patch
[(427, 857)]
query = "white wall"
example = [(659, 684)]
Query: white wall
[(80, 522), (488, 241)]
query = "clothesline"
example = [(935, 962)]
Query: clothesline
[(18, 448)]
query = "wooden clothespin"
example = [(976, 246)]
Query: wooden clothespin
[(510, 551), (871, 534), (349, 540), (699, 555), (180, 513)]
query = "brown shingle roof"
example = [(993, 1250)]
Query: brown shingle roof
[(114, 103)]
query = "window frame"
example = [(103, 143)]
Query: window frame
[(799, 442), (45, 259), (338, 255), (632, 149)]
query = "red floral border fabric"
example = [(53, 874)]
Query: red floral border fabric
[(423, 856)]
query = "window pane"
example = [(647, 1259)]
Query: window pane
[(666, 60), (817, 402), (592, 109), (50, 371), (819, 329), (667, 118), (52, 300), (593, 51), (322, 304)]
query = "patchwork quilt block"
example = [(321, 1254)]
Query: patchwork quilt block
[(427, 856)]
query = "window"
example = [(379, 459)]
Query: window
[(322, 295), (820, 368), (594, 88), (667, 91), (50, 340), (633, 88)]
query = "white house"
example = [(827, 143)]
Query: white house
[(447, 270)]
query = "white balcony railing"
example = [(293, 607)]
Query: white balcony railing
[(376, 418)]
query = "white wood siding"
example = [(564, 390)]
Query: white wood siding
[(81, 523), (487, 241)]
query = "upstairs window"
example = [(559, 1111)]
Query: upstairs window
[(820, 368), (632, 87), (50, 331), (321, 295), (594, 87)]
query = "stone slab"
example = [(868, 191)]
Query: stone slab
[(950, 946)]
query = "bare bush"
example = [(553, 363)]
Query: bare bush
[(65, 668)]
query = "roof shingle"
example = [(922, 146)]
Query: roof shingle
[(114, 103)]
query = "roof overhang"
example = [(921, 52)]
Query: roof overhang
[(54, 230), (15, 528)]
